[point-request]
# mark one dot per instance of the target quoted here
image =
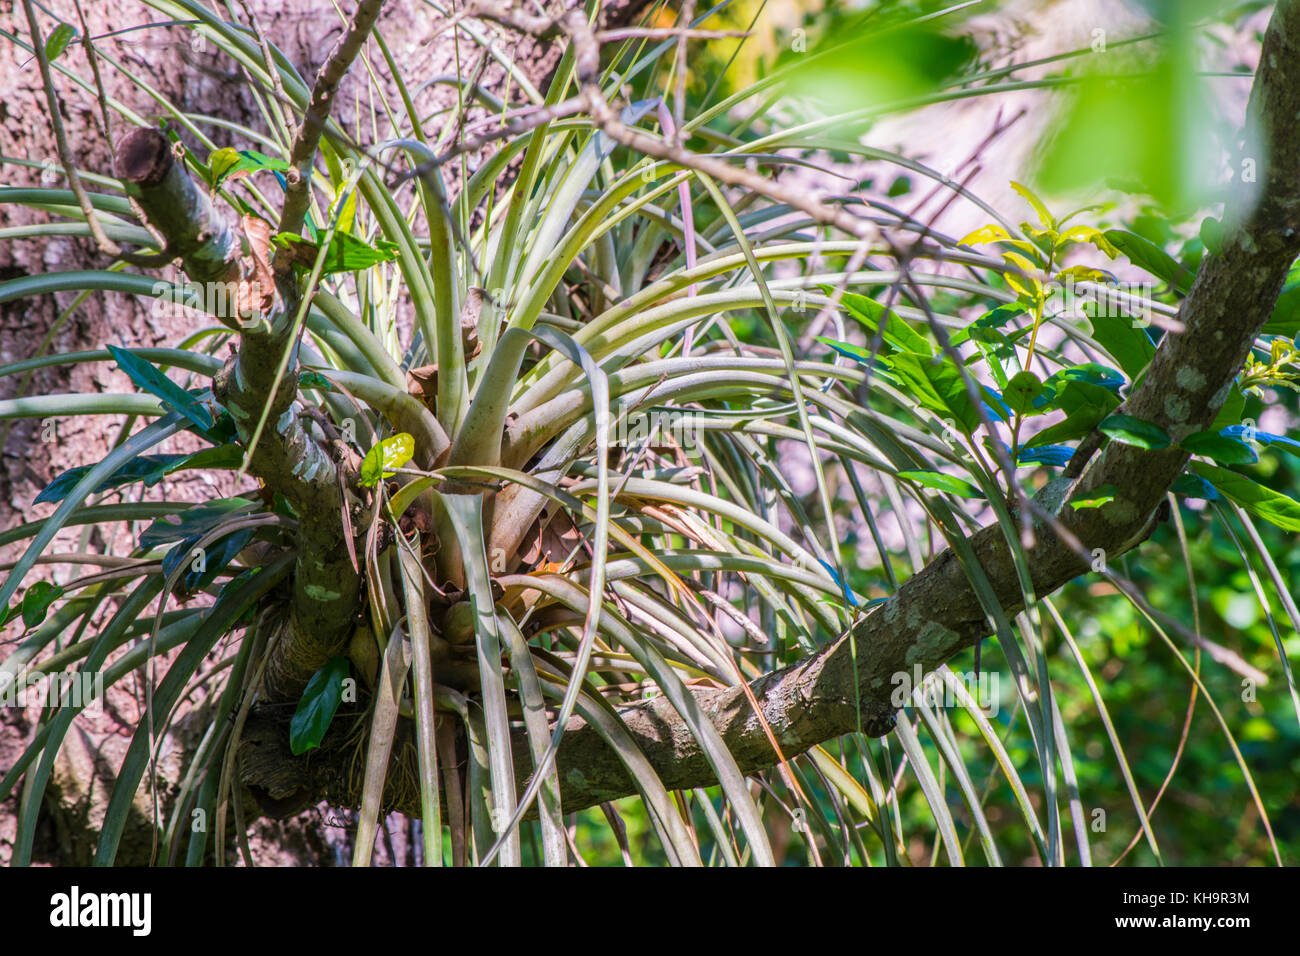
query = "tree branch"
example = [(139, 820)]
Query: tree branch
[(303, 156), (289, 460)]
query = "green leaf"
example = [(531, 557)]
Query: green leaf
[(938, 386), (150, 469), (220, 164), (316, 380), (191, 522), (1212, 235), (1224, 450), (148, 377), (58, 41), (1044, 216), (897, 332), (1234, 406), (346, 253), (1285, 319), (1085, 405), (216, 556), (1131, 347), (1148, 127), (1145, 254), (1095, 498), (1135, 431), (37, 601), (949, 483), (225, 456), (317, 706), (1021, 391), (228, 162), (863, 355), (858, 64), (1192, 486), (985, 328), (1273, 507), (991, 233), (383, 456)]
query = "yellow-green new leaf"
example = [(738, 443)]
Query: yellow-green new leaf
[(384, 456), (993, 233)]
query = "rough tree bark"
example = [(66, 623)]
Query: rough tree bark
[(937, 613)]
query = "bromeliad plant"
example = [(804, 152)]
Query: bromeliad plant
[(519, 450)]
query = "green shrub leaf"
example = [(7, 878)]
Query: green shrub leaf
[(870, 313), (1146, 255), (1224, 450), (383, 456), (1021, 391), (1095, 498), (148, 377), (317, 706), (949, 483), (37, 601), (1135, 431), (58, 41), (1272, 506)]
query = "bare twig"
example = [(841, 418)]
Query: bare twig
[(302, 158)]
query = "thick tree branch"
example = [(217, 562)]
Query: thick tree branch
[(236, 288), (936, 613)]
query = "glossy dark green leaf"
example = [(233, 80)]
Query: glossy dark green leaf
[(1194, 486), (1084, 404), (191, 522), (1053, 455), (986, 329), (1135, 431), (216, 557), (148, 377), (1130, 346), (849, 350), (1089, 373), (222, 456), (317, 706), (1272, 506), (1224, 450), (1234, 406), (1285, 319), (150, 469)]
